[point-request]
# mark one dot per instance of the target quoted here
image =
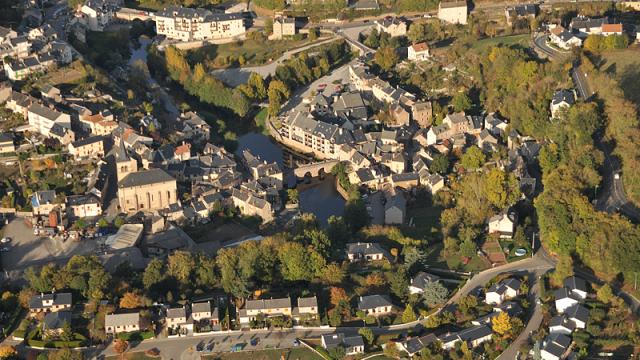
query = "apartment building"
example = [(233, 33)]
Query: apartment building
[(454, 12), (97, 14), (42, 119), (91, 147), (187, 24), (283, 26)]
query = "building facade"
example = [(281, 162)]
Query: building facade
[(187, 24)]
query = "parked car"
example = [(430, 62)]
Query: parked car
[(5, 240), (237, 347), (4, 249)]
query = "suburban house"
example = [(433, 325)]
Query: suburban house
[(86, 148), (51, 302), (564, 39), (561, 325), (577, 286), (146, 190), (395, 207), (453, 12), (365, 251), (565, 299), (54, 322), (42, 119), (283, 26), (611, 29), (6, 143), (495, 125), (420, 282), (307, 309), (43, 202), (554, 347), (87, 205), (375, 304), (521, 11), (205, 311), (562, 99), (418, 52), (121, 323), (579, 315), (178, 318), (584, 26), (414, 345), (353, 344), (266, 307), (504, 290), (503, 224), (393, 26), (196, 24), (473, 336)]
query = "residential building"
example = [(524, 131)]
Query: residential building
[(564, 300), (495, 124), (91, 147), (579, 315), (554, 347), (6, 34), (475, 336), (577, 286), (267, 307), (418, 52), (80, 206), (393, 26), (395, 207), (43, 202), (562, 99), (100, 124), (365, 251), (303, 132), (146, 190), (503, 224), (178, 317), (205, 312), (42, 119), (307, 309), (584, 26), (189, 24), (353, 344), (50, 302), (283, 26), (421, 281), (54, 322), (453, 125), (520, 11), (375, 304), (564, 39), (506, 289), (611, 29), (6, 143), (561, 325), (414, 346), (422, 113), (122, 323), (97, 14), (453, 12), (252, 205)]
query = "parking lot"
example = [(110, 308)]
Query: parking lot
[(27, 249)]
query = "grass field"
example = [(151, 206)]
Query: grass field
[(426, 222), (624, 65), (484, 44), (133, 356), (289, 354), (255, 52)]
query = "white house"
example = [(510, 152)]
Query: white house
[(353, 344), (119, 323), (561, 325), (375, 304), (420, 282), (454, 12), (564, 39), (504, 290), (554, 347), (577, 286), (503, 224), (418, 52), (42, 119), (562, 99), (579, 315), (564, 300)]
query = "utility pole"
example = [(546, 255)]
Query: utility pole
[(533, 243)]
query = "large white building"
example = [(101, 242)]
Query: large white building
[(454, 12), (42, 119), (97, 14), (187, 24)]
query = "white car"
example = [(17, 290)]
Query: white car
[(5, 240)]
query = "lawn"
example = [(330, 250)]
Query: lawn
[(484, 44), (426, 222), (260, 121), (624, 65), (217, 231), (435, 259), (289, 354), (254, 52), (139, 355)]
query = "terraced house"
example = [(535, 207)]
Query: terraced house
[(187, 24), (266, 307)]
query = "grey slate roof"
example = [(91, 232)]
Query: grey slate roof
[(564, 95), (200, 307), (123, 319), (577, 312), (146, 177), (44, 111), (474, 333), (58, 299), (87, 141), (364, 248), (575, 283), (175, 313), (373, 301), (268, 304), (56, 320), (308, 301), (422, 279)]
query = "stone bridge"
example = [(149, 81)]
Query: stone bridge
[(315, 169)]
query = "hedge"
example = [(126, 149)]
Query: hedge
[(136, 335)]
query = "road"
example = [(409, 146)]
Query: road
[(580, 80)]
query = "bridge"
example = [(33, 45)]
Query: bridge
[(129, 14), (315, 169)]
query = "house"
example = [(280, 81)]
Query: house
[(562, 99), (64, 135), (414, 345), (421, 113), (453, 12), (205, 312), (554, 347), (80, 206), (307, 309), (283, 26), (267, 307), (42, 119), (197, 24), (561, 325), (564, 300), (456, 124), (506, 289), (252, 205), (91, 147), (418, 52), (100, 124), (611, 29), (521, 11), (420, 282), (476, 335), (54, 322), (577, 286), (122, 323), (584, 26), (395, 208), (6, 143), (375, 304), (393, 26), (43, 202), (564, 39), (400, 116), (365, 251), (579, 315), (6, 34), (486, 141), (353, 344), (50, 302), (503, 224), (178, 317), (146, 190), (97, 14), (495, 125)]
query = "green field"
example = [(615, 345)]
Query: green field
[(132, 356), (484, 44), (289, 354), (624, 65)]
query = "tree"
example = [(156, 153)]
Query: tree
[(408, 315), (467, 304), (564, 269), (278, 92), (501, 324), (417, 32), (8, 352), (67, 332), (295, 262), (120, 346), (314, 33), (130, 300), (367, 334), (65, 354), (337, 352), (461, 102), (268, 26), (399, 282), (332, 274), (434, 293), (502, 189), (391, 350), (440, 164), (386, 58), (98, 283), (605, 293), (256, 84), (153, 274), (181, 265), (473, 158), (147, 107), (338, 295)]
